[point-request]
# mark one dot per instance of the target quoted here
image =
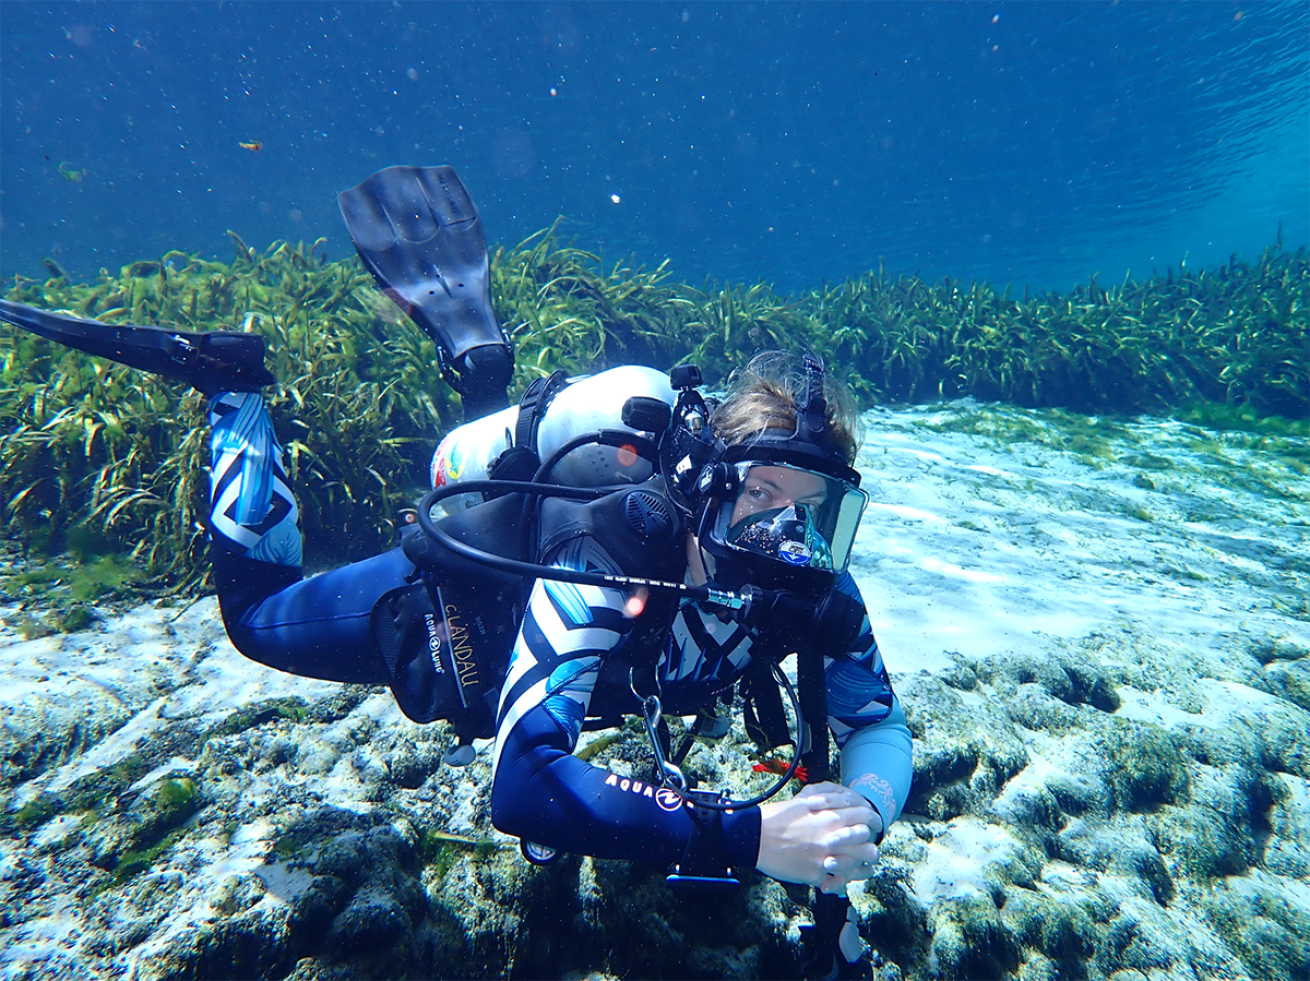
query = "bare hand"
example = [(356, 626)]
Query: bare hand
[(821, 837)]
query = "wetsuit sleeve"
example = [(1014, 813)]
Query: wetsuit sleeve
[(868, 723), (543, 793)]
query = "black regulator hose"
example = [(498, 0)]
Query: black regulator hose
[(618, 438), (535, 570), (672, 775), (742, 601)]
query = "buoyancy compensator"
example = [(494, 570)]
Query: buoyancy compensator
[(483, 557)]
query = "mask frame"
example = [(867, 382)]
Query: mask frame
[(797, 545), (809, 447)]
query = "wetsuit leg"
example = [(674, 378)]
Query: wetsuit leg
[(318, 627)]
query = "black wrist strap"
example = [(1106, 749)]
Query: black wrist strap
[(703, 864)]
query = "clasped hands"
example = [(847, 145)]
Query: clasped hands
[(824, 836)]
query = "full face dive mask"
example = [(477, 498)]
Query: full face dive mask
[(782, 511)]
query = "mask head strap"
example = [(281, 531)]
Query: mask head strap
[(811, 418), (812, 437)]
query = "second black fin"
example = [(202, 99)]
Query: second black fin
[(418, 233), (215, 361)]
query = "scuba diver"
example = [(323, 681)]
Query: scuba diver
[(614, 545)]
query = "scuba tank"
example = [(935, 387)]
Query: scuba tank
[(553, 411)]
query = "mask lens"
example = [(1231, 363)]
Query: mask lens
[(788, 534), (793, 516)]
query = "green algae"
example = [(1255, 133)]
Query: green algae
[(94, 795), (599, 745), (1095, 440), (440, 850), (1148, 461), (159, 819), (36, 811), (1269, 933), (1148, 771), (133, 862), (294, 845), (176, 799), (60, 592), (100, 460), (260, 713)]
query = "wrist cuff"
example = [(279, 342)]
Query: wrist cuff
[(882, 821), (741, 837)]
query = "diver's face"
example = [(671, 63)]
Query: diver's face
[(767, 488)]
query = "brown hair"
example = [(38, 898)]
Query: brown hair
[(766, 393)]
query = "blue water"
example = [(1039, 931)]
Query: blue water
[(1033, 143)]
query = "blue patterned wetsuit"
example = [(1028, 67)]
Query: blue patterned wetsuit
[(544, 793), (320, 627)]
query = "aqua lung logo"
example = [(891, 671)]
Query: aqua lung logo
[(665, 798), (795, 553), (668, 799), (434, 642)]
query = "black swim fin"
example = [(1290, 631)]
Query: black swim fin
[(216, 361), (418, 233)]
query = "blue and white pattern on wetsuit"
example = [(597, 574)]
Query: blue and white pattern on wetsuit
[(252, 507), (867, 721), (540, 791), (566, 631), (544, 793)]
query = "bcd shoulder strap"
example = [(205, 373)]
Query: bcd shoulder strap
[(521, 460)]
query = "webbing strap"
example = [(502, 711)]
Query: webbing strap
[(521, 460), (814, 706), (532, 407)]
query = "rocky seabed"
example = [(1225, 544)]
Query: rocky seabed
[(1101, 634)]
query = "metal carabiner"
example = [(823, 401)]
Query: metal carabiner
[(671, 773)]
